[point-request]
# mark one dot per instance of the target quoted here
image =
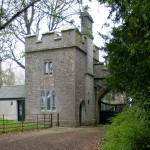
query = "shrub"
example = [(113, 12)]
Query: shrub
[(130, 130)]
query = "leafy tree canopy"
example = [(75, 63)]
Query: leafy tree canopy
[(128, 48), (25, 17), (128, 51)]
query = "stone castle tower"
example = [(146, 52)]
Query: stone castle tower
[(60, 74)]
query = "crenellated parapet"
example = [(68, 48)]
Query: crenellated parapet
[(53, 40)]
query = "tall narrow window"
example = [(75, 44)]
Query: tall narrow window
[(48, 100), (53, 100), (48, 67), (43, 101)]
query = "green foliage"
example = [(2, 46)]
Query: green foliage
[(109, 96), (129, 131), (129, 48), (128, 52), (128, 64), (2, 13)]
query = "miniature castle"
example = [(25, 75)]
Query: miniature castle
[(63, 75)]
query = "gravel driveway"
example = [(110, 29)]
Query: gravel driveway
[(83, 138)]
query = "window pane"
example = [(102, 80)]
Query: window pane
[(50, 68), (53, 100), (43, 100), (46, 68), (48, 101)]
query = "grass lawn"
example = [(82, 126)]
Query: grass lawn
[(12, 125)]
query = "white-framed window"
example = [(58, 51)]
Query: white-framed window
[(48, 67), (48, 100)]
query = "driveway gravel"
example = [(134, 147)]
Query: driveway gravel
[(82, 138)]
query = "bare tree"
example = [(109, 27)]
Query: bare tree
[(19, 76), (8, 76), (29, 20), (6, 14)]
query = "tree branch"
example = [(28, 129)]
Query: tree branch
[(17, 14)]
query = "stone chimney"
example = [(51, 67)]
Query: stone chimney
[(86, 24), (86, 31)]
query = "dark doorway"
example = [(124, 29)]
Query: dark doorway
[(109, 110), (21, 110), (82, 113)]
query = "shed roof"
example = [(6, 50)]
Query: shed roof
[(15, 91)]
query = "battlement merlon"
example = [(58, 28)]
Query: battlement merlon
[(51, 40), (96, 52)]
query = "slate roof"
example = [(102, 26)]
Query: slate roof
[(9, 92)]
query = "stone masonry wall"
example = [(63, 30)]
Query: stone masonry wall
[(100, 70), (62, 51), (80, 69), (96, 53), (62, 81), (72, 78), (89, 85), (53, 40)]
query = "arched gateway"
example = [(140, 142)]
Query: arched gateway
[(106, 110)]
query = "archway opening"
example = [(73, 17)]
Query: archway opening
[(82, 113), (110, 105)]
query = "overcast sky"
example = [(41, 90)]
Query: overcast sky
[(99, 14)]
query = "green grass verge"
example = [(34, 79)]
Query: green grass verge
[(12, 125)]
